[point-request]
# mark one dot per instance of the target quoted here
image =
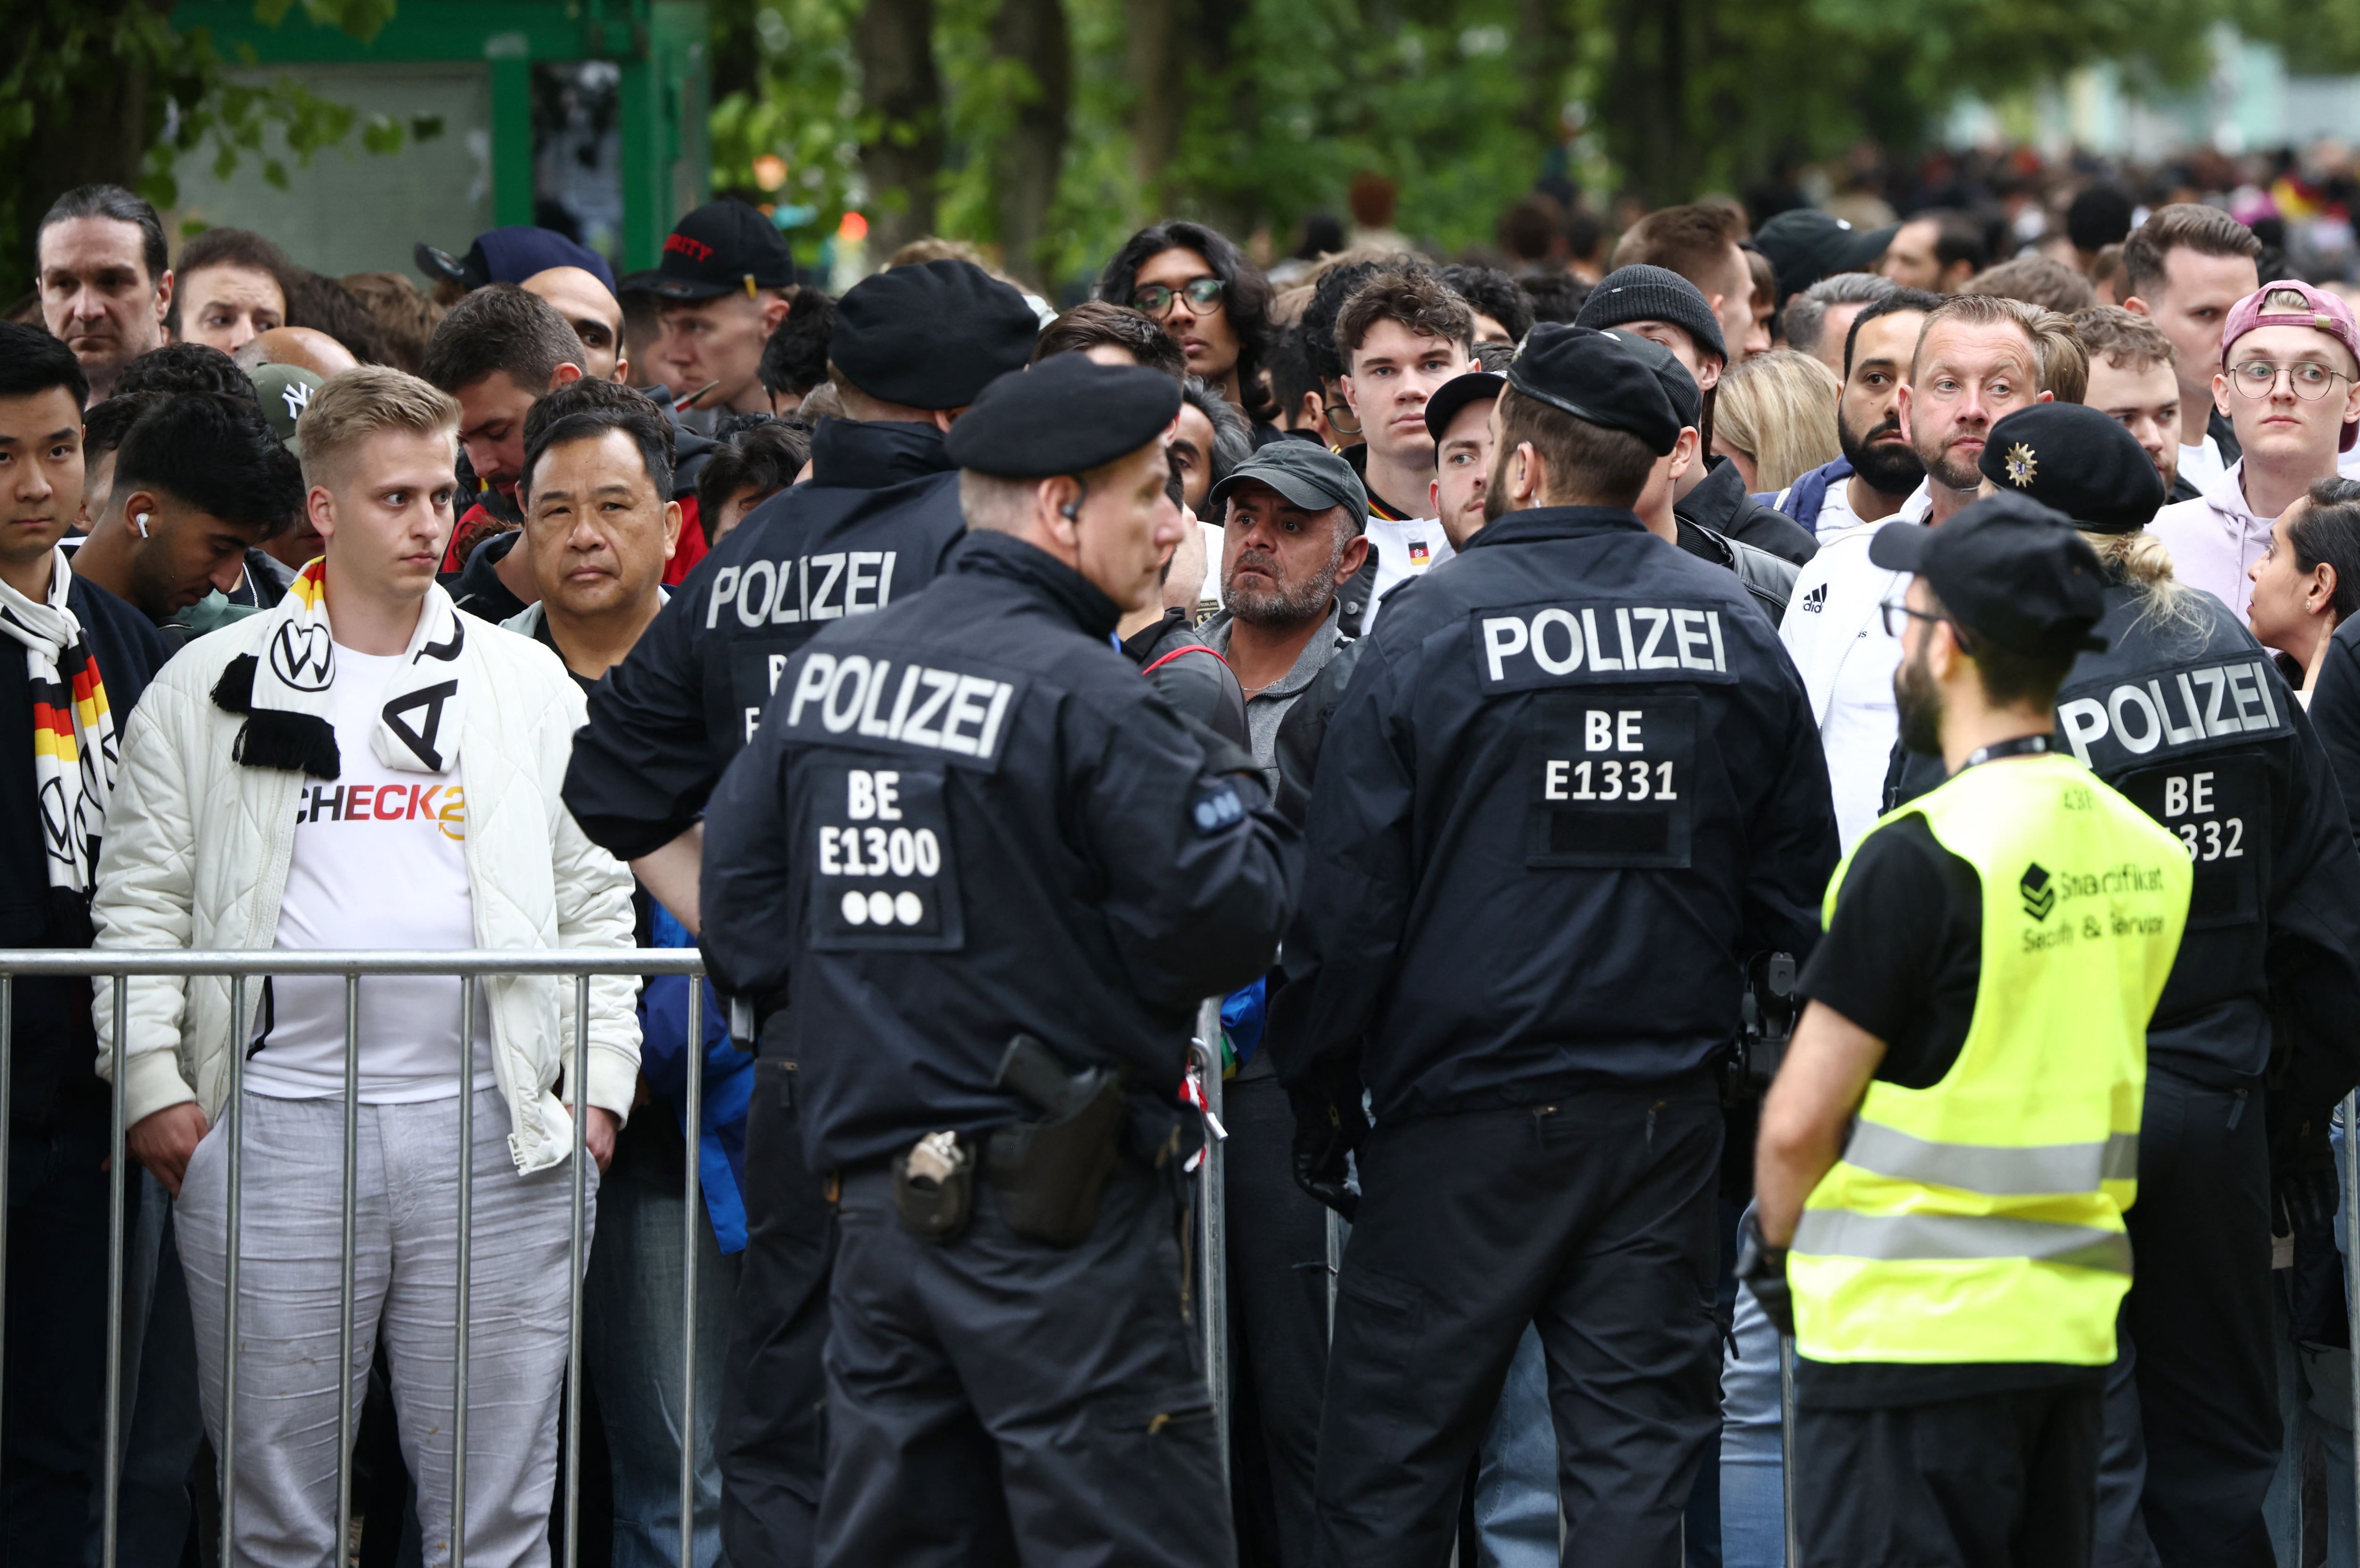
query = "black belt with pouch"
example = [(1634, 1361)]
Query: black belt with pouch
[(1049, 1173)]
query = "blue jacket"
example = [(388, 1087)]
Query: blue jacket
[(728, 1083)]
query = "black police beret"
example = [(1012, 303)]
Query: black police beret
[(2011, 571), (2078, 461), (1065, 416), (1594, 377), (933, 335), (1677, 384)]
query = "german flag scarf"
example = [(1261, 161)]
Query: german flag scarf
[(73, 730)]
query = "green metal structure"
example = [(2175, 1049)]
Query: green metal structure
[(659, 47)]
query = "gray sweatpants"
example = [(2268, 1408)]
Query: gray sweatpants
[(406, 1287)]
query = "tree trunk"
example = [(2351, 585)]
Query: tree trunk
[(1647, 107), (1157, 72), (99, 135), (736, 50), (1033, 33), (1543, 47), (894, 44)]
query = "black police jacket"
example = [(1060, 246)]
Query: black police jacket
[(1720, 503), (2190, 719), (869, 530), (1573, 785), (965, 817)]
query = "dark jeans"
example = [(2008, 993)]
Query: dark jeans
[(2001, 1481), (774, 1395), (1591, 1218), (1278, 1320), (2203, 1397), (53, 1439), (995, 1390)]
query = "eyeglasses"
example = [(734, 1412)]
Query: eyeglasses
[(1889, 609), (2259, 378), (1203, 295)]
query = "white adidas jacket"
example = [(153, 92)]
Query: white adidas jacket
[(197, 847), (1834, 631)]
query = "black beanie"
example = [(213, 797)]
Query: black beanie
[(1644, 293)]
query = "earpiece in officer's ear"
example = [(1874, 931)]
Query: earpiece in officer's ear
[(1070, 511), (140, 521)]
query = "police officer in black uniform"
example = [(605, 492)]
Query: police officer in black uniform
[(1573, 786), (994, 874), (911, 347), (2185, 714)]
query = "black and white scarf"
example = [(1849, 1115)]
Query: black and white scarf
[(285, 690), (73, 729)]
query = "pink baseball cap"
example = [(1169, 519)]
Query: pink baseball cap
[(2320, 310)]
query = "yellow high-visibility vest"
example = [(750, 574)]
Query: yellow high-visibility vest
[(1981, 1220)]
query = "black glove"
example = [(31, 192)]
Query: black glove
[(1329, 1126), (1764, 1269), (2302, 1166)]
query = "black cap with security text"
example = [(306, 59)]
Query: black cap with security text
[(720, 248), (2009, 571)]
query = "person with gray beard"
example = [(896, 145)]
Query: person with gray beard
[(1292, 517)]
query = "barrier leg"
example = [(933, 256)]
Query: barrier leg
[(119, 1154), (7, 1108), (579, 1083), (234, 1132), (1212, 1237), (691, 1217), (346, 1286), (2352, 1261), (1787, 1446), (465, 1269)]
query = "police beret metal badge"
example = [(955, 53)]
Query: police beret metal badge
[(2021, 466)]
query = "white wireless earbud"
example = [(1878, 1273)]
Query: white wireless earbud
[(140, 521)]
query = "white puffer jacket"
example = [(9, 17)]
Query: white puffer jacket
[(197, 847)]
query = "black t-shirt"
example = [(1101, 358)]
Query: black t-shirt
[(1903, 959)]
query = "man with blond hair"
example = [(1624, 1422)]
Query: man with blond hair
[(287, 774), (1977, 358)]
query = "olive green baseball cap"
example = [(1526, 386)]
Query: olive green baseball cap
[(286, 391)]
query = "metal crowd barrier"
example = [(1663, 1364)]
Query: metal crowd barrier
[(471, 967)]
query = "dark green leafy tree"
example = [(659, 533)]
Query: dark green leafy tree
[(109, 90)]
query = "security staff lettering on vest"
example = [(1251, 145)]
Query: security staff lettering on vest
[(2185, 716), (1953, 1138), (910, 349), (984, 874), (1571, 788)]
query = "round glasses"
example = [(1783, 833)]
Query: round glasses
[(2259, 378), (1202, 294)]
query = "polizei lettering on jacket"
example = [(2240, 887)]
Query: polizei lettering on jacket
[(854, 701), (2173, 709), (1548, 644), (804, 587)]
